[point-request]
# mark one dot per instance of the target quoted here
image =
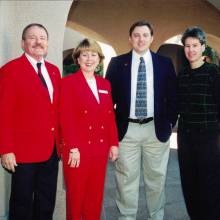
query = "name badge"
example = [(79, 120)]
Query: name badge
[(103, 91)]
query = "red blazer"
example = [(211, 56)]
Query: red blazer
[(85, 123), (28, 119)]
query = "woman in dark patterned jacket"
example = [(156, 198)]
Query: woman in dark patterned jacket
[(198, 130)]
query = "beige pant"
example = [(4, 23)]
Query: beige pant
[(140, 147)]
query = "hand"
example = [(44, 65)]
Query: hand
[(113, 154), (74, 157), (8, 161)]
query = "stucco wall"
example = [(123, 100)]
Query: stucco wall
[(15, 15)]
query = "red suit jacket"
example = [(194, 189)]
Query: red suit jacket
[(85, 123), (28, 119)]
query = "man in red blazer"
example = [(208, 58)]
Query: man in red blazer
[(29, 89)]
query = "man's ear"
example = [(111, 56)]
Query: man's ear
[(152, 39)]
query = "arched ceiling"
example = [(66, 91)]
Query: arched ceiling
[(216, 3), (109, 21)]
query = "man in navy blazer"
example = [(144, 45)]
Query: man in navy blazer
[(144, 139)]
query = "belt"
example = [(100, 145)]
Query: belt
[(141, 121)]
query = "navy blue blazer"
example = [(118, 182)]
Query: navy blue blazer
[(165, 109)]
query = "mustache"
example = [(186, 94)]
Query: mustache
[(38, 45)]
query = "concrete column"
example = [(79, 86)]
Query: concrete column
[(14, 16)]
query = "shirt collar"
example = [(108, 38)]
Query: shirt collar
[(33, 61), (137, 56)]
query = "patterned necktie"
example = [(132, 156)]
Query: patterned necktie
[(141, 91), (41, 76)]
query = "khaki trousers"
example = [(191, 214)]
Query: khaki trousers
[(140, 147)]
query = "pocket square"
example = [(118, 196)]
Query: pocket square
[(103, 91)]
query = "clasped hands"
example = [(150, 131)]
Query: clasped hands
[(74, 156)]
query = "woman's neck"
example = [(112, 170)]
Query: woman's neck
[(88, 75), (197, 64)]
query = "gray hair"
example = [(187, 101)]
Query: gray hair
[(195, 32)]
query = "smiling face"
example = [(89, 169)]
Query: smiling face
[(35, 42), (88, 61), (141, 39), (193, 50)]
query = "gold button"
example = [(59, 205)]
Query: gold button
[(101, 140), (89, 142), (52, 129)]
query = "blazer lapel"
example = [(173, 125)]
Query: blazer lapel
[(32, 76), (54, 82), (102, 91), (126, 72), (88, 93), (156, 72)]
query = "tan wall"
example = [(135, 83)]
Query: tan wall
[(109, 21), (15, 15)]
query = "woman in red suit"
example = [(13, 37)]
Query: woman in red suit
[(89, 132)]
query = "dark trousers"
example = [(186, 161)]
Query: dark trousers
[(33, 190), (199, 161)]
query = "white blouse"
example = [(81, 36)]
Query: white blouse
[(93, 86)]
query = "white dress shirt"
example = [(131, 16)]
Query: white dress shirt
[(44, 73), (149, 80)]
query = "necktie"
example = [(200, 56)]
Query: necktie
[(141, 92), (40, 75)]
